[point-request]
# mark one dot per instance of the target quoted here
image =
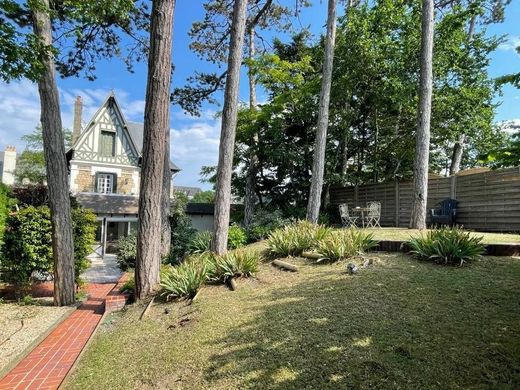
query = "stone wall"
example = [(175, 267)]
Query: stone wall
[(125, 182), (84, 180)]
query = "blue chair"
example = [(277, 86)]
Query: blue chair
[(445, 213)]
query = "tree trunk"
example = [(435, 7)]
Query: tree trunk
[(456, 156), (318, 166), (228, 130), (166, 227), (422, 139), (250, 196), (156, 124), (458, 148), (56, 166)]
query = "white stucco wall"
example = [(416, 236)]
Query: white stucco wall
[(9, 165)]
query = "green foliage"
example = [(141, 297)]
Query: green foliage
[(201, 242), (296, 238), (31, 162), (128, 286), (237, 237), (240, 262), (85, 32), (344, 243), (504, 155), (127, 252), (6, 202), (447, 246), (182, 233), (264, 222), (28, 300), (374, 101), (84, 226), (183, 280), (27, 245), (204, 197)]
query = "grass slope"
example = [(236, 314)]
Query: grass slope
[(399, 324)]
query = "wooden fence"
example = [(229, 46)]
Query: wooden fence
[(488, 201)]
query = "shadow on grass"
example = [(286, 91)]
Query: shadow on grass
[(388, 327)]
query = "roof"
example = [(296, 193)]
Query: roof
[(208, 208), (109, 204), (200, 208), (136, 131), (190, 191)]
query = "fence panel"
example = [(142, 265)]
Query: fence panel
[(487, 200)]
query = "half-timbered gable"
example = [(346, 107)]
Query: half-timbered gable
[(106, 139)]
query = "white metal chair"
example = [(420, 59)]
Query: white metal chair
[(346, 219), (374, 214)]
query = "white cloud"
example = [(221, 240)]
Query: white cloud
[(511, 44), (194, 140), (192, 147)]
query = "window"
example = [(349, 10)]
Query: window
[(106, 183), (107, 144)]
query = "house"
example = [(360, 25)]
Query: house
[(8, 165), (105, 169), (190, 192)]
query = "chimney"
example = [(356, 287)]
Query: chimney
[(76, 128)]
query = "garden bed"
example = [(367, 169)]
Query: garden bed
[(18, 339), (400, 323)]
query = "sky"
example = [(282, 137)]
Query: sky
[(195, 140)]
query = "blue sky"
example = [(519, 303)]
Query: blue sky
[(195, 140)]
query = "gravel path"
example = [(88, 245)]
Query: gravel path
[(15, 338)]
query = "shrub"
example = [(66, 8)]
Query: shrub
[(181, 235), (6, 203), (36, 195), (28, 243), (84, 231), (342, 244), (127, 252), (296, 238), (447, 246), (201, 242), (183, 280), (237, 237), (236, 263), (264, 222)]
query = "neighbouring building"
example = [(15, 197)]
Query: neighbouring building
[(8, 165), (190, 192), (105, 169)]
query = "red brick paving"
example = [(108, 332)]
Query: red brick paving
[(48, 364)]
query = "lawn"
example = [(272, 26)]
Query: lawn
[(404, 234), (398, 324)]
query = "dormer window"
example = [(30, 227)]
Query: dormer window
[(107, 144)]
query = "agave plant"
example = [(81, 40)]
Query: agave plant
[(201, 242), (447, 246), (296, 238), (183, 280), (236, 263), (342, 244)]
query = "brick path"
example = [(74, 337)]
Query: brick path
[(48, 364)]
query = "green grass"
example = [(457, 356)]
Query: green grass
[(401, 323), (404, 234)]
